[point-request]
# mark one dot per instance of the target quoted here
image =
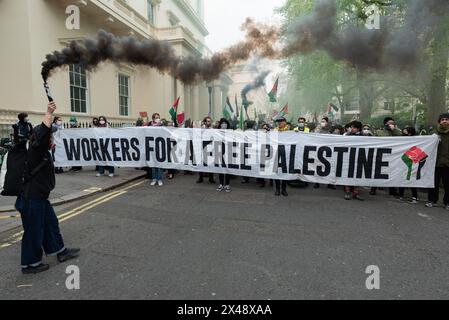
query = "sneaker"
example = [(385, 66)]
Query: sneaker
[(447, 207), (153, 183), (111, 175), (358, 197), (372, 193), (68, 254), (160, 183), (414, 201), (200, 181), (99, 175), (430, 205), (227, 189), (348, 196), (38, 269), (220, 188), (284, 193), (277, 193)]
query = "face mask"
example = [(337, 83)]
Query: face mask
[(158, 120), (302, 125), (224, 126), (26, 120), (366, 132), (324, 124), (102, 122), (59, 123)]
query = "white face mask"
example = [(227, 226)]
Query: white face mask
[(59, 123), (26, 119), (366, 132), (102, 122), (224, 125), (157, 120), (324, 124)]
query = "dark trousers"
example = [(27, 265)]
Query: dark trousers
[(280, 184), (434, 194), (102, 169), (414, 192), (41, 230), (225, 179)]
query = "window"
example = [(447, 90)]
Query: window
[(150, 12), (78, 89), (123, 87)]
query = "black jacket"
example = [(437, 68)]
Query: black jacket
[(41, 183)]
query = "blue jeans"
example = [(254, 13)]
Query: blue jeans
[(102, 169), (41, 231), (158, 174)]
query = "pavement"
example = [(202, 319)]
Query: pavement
[(187, 241), (72, 186)]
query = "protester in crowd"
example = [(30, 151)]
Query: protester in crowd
[(225, 179), (23, 130), (324, 127), (206, 124), (302, 126), (103, 123), (40, 224), (73, 124), (337, 130), (347, 129), (442, 165), (367, 131), (390, 130), (281, 186), (139, 122), (249, 126), (157, 173), (57, 125), (409, 132), (95, 123), (352, 192)]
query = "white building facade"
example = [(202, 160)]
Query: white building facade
[(30, 29)]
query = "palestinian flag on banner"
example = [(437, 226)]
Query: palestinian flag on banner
[(282, 113), (174, 111), (228, 112), (274, 92)]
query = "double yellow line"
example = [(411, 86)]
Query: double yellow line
[(15, 238)]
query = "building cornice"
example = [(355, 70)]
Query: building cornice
[(187, 8)]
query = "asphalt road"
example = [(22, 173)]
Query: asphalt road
[(186, 241)]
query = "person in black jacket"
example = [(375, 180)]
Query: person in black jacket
[(40, 224), (22, 131)]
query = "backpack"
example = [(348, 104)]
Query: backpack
[(16, 167)]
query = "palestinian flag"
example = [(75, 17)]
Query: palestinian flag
[(274, 92), (174, 111), (180, 118), (282, 113), (332, 109)]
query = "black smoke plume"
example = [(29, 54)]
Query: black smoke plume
[(161, 56), (257, 83)]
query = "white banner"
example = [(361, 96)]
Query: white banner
[(327, 159)]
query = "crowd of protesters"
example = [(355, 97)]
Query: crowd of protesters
[(354, 128)]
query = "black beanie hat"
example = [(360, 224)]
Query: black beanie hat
[(443, 116), (387, 119)]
